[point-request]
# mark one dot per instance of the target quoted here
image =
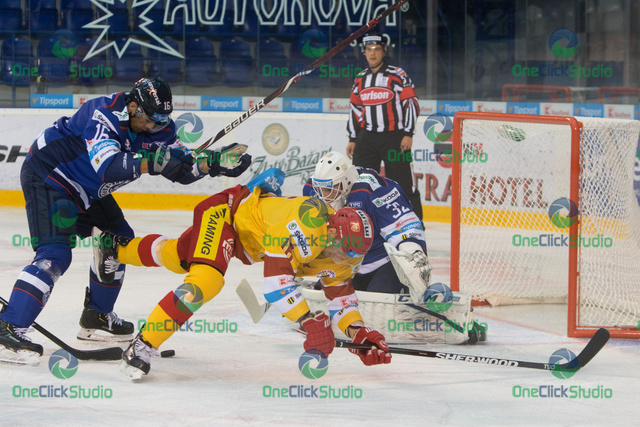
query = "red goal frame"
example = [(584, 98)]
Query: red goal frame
[(574, 329)]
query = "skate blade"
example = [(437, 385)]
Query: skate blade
[(131, 372), (21, 357), (97, 335)]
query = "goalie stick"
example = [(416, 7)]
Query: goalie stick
[(257, 310), (109, 353), (324, 58), (592, 348)]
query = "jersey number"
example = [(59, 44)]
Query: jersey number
[(397, 209)]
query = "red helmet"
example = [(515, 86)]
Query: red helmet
[(355, 232)]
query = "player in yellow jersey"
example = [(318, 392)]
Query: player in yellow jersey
[(293, 236)]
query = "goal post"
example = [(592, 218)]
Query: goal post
[(550, 215)]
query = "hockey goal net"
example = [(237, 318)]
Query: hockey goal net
[(543, 211)]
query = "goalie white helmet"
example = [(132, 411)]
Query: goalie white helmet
[(333, 178)]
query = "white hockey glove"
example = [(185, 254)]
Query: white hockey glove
[(412, 267)]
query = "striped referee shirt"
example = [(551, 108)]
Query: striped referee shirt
[(382, 102)]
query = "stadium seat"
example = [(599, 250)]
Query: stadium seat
[(43, 22), (66, 5), (236, 63), (156, 25), (413, 61), (11, 22), (165, 65), (74, 19), (10, 4), (84, 75), (16, 60), (37, 5), (344, 65), (298, 62), (54, 68), (200, 64), (273, 66), (130, 67)]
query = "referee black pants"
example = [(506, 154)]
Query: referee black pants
[(374, 147)]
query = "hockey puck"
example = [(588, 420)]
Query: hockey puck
[(167, 353)]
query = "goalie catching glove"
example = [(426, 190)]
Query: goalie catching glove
[(412, 266), (319, 333), (379, 352), (229, 161)]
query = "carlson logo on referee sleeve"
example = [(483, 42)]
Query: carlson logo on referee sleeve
[(376, 95)]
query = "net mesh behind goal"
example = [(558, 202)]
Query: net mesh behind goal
[(522, 217)]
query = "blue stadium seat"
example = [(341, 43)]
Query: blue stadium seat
[(200, 64), (220, 31), (129, 68), (10, 4), (83, 69), (165, 65), (413, 61), (181, 30), (298, 62), (54, 68), (119, 22), (37, 5), (236, 63), (11, 21), (343, 67), (156, 25), (273, 66), (43, 22), (66, 5), (16, 60), (74, 19)]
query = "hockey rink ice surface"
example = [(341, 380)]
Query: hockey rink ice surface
[(227, 377)]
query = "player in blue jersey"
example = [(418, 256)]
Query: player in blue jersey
[(397, 260), (67, 179), (339, 183)]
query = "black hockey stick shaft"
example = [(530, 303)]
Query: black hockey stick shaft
[(454, 325), (592, 348), (109, 353), (321, 60)]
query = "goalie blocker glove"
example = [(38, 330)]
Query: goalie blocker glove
[(378, 354), (229, 161), (172, 163), (319, 333)]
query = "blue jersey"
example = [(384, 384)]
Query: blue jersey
[(93, 152), (390, 211)]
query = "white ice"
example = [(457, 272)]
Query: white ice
[(220, 378)]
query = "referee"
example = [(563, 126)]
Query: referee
[(384, 110)]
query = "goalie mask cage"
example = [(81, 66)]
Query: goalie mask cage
[(510, 174)]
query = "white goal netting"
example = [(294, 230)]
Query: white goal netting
[(512, 248)]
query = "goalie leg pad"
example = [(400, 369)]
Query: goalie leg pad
[(413, 270)]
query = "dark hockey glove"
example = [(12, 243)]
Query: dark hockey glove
[(172, 163), (319, 334), (379, 352), (229, 161)]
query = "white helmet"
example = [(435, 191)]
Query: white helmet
[(335, 173)]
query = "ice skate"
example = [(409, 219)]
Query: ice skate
[(136, 359), (16, 348), (103, 327), (105, 253)]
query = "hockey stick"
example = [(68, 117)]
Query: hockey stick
[(592, 348), (109, 353), (324, 58), (257, 310), (248, 298)]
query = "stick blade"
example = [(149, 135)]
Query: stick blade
[(592, 348), (110, 353), (250, 301)]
